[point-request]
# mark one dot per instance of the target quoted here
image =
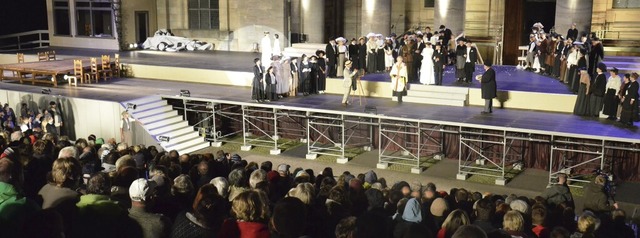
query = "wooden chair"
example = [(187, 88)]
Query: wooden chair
[(78, 71), (20, 58), (51, 55), (105, 70), (117, 70), (93, 74), (43, 56)]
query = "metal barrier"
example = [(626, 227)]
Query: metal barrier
[(24, 40)]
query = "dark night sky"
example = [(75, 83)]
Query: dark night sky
[(22, 15)]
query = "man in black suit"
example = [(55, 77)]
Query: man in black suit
[(488, 88), (439, 62), (471, 57), (257, 87), (446, 37), (417, 56), (332, 57)]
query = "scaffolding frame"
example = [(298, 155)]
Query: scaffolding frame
[(254, 120), (331, 133)]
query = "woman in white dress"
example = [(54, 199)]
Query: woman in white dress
[(427, 75), (388, 54)]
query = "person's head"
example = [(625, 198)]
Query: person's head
[(69, 151), (348, 64), (485, 209), (362, 40), (270, 70), (573, 26), (634, 76), (256, 177), (469, 231), (276, 36), (538, 215), (208, 206), (99, 183), (469, 44), (618, 215), (438, 46), (454, 220), (125, 115), (66, 172), (559, 232), (588, 223), (562, 178), (600, 180), (52, 104), (221, 185), (601, 68), (399, 59), (439, 207), (305, 192), (10, 172), (142, 191), (238, 178), (487, 65), (346, 228), (182, 185), (513, 221), (627, 77), (289, 217), (251, 206)]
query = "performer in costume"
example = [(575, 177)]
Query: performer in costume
[(557, 60), (276, 63), (572, 32), (543, 48), (471, 57), (372, 48), (285, 83), (531, 52), (295, 77), (380, 62), (270, 80), (582, 102), (315, 74), (388, 55), (399, 79), (611, 100), (414, 74), (265, 49), (353, 50), (305, 75), (257, 93), (427, 74), (343, 55), (408, 50), (348, 73), (626, 81), (461, 51), (629, 112), (277, 51), (595, 55), (439, 63), (597, 91), (332, 55), (361, 64), (322, 67), (564, 54), (488, 88)]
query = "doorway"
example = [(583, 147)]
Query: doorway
[(516, 32), (333, 18), (142, 26)]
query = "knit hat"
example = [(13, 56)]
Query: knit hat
[(439, 207), (99, 141), (519, 205), (141, 189), (412, 211)]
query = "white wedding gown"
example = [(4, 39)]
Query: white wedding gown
[(427, 75)]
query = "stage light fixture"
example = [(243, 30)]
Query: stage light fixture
[(163, 138), (46, 91), (185, 93), (131, 106), (370, 109)]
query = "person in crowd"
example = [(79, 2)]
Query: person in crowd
[(559, 46), (596, 55), (331, 49), (572, 68), (353, 50), (455, 220), (538, 220), (399, 79), (407, 53), (582, 102), (348, 81), (587, 225), (531, 52), (361, 64), (343, 55), (126, 128), (471, 57), (427, 74), (597, 91), (485, 210), (388, 54), (558, 193), (461, 51), (551, 49), (97, 212), (204, 218), (597, 197), (572, 32), (276, 50), (543, 51), (412, 214), (322, 74), (372, 49), (289, 219), (15, 208), (285, 72), (567, 49), (446, 35), (513, 223), (250, 212), (439, 63), (629, 112), (142, 193), (61, 192), (305, 75), (270, 85), (380, 55), (295, 77), (611, 100), (257, 87), (56, 114), (488, 87)]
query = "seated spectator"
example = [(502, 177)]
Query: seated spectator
[(61, 193), (485, 212), (618, 228), (14, 207), (412, 214), (289, 219), (588, 223), (469, 231), (250, 212), (346, 228), (222, 186), (45, 223), (455, 219), (513, 224), (205, 217), (97, 212), (538, 218), (152, 225), (440, 211), (238, 183)]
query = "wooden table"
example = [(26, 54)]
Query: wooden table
[(40, 71)]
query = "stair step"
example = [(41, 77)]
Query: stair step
[(144, 100), (434, 88), (442, 95), (160, 131), (162, 123), (180, 132), (195, 148), (313, 46), (158, 117), (151, 105), (184, 144), (141, 114), (184, 137), (434, 101)]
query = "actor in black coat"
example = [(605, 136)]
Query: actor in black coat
[(362, 55), (332, 57), (257, 88), (630, 102), (439, 62), (470, 65), (488, 87)]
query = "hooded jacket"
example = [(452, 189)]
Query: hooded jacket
[(14, 210)]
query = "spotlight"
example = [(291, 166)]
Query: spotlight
[(370, 109), (163, 138), (131, 106), (46, 91), (185, 93), (135, 45)]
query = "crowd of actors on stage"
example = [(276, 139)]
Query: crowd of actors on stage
[(578, 63), (415, 57)]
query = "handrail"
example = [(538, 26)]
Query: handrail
[(18, 42)]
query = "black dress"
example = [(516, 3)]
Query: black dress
[(380, 60), (611, 101), (313, 78), (322, 79), (257, 91), (630, 110), (362, 57), (305, 78), (596, 98), (270, 93), (353, 52)]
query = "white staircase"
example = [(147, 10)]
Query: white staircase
[(159, 119), (437, 95), (298, 49)]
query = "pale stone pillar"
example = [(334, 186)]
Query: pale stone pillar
[(313, 20), (376, 16), (570, 11), (451, 14)]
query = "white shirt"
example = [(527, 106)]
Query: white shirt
[(468, 54), (614, 83), (532, 46)]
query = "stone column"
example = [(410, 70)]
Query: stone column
[(376, 17), (296, 26), (570, 11), (451, 14), (313, 20)]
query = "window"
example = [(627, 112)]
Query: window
[(61, 23), (94, 18), (429, 3), (204, 14), (626, 4)]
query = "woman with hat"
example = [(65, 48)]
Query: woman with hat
[(372, 48), (348, 81), (597, 90), (305, 75), (343, 52), (630, 102), (610, 98), (582, 76), (399, 79)]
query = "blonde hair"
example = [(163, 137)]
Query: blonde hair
[(305, 192), (513, 221), (455, 220), (588, 223), (65, 169), (251, 206)]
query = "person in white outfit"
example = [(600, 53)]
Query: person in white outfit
[(265, 49), (348, 79), (427, 75), (276, 46)]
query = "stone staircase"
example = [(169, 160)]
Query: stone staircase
[(625, 64), (297, 49), (160, 119), (437, 95)]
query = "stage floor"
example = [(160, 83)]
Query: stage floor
[(122, 90)]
